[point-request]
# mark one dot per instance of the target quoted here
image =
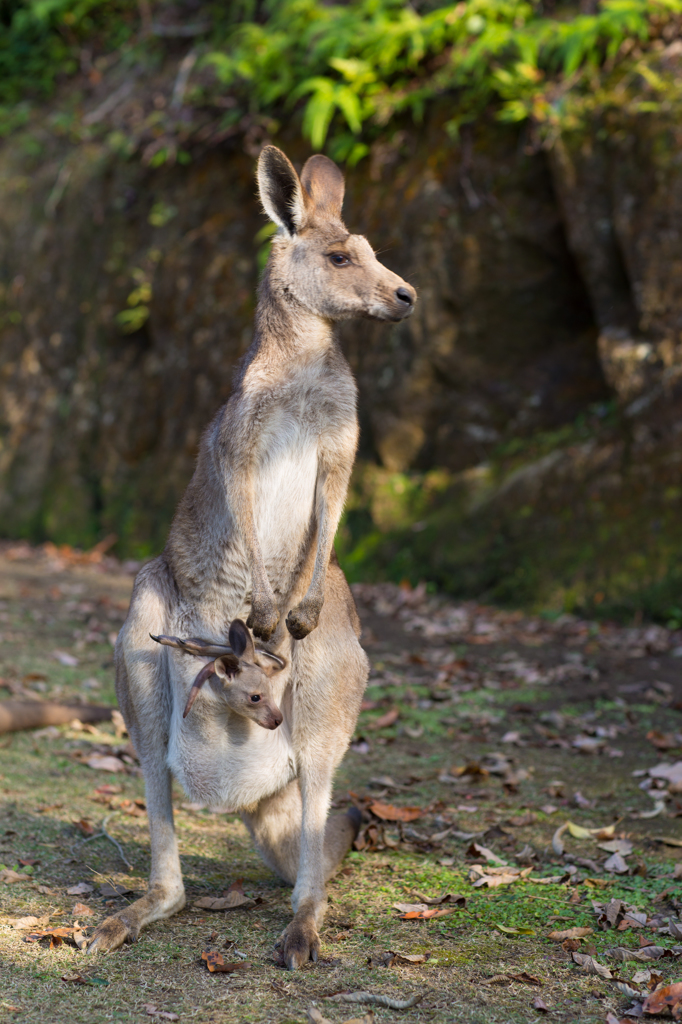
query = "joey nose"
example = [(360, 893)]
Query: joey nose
[(406, 296)]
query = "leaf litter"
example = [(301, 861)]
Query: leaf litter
[(217, 964), (232, 899)]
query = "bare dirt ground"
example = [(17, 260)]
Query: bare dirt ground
[(483, 734)]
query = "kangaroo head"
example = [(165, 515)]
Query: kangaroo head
[(241, 674), (314, 258), (246, 679)]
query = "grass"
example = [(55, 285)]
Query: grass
[(44, 791)]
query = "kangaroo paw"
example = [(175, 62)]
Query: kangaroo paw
[(302, 620), (112, 933), (299, 943), (263, 620)]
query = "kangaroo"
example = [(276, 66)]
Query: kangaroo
[(252, 539)]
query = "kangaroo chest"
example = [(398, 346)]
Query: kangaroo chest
[(308, 431)]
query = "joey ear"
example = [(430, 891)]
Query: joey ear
[(280, 190), (323, 181), (240, 640), (226, 667)]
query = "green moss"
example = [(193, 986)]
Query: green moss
[(543, 525)]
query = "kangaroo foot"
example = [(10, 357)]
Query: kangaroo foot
[(299, 942), (263, 620), (113, 932), (303, 619), (126, 926)]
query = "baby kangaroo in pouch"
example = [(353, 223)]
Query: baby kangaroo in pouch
[(262, 728)]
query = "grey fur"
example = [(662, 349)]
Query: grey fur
[(253, 537)]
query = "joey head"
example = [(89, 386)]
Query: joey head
[(246, 687), (240, 675)]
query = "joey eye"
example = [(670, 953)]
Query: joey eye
[(255, 698), (339, 259)]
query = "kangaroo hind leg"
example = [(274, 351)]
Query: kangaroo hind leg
[(142, 686), (276, 826)]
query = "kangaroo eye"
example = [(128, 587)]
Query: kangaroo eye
[(255, 698), (339, 259)]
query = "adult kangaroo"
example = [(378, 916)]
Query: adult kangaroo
[(252, 539)]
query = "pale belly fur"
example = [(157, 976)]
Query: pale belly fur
[(224, 760), (285, 500)]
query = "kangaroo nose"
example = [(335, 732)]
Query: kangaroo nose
[(403, 295)]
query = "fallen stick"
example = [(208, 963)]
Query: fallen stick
[(103, 834), (377, 1000), (16, 715)]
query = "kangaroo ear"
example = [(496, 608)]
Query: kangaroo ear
[(240, 640), (323, 181), (226, 667), (280, 190)]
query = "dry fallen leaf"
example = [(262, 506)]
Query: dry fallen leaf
[(622, 846), (523, 820), (616, 865), (590, 965), (55, 935), (152, 1011), (82, 910), (664, 741), (231, 901), (667, 998), (448, 897), (570, 933), (477, 851), (81, 889), (492, 877), (540, 1004), (472, 768), (388, 812), (390, 718), (9, 877), (217, 965), (30, 922), (106, 889), (643, 954), (106, 764), (667, 841), (421, 912), (315, 1017)]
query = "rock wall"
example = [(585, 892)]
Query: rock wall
[(127, 296), (520, 433)]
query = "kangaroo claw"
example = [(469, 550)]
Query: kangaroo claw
[(263, 620), (299, 943), (113, 932), (302, 620)]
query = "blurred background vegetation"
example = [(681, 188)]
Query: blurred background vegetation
[(518, 161)]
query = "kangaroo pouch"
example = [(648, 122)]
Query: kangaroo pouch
[(224, 760)]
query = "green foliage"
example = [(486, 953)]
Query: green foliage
[(348, 69), (358, 65), (40, 42)]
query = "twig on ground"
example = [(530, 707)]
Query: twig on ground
[(103, 834)]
